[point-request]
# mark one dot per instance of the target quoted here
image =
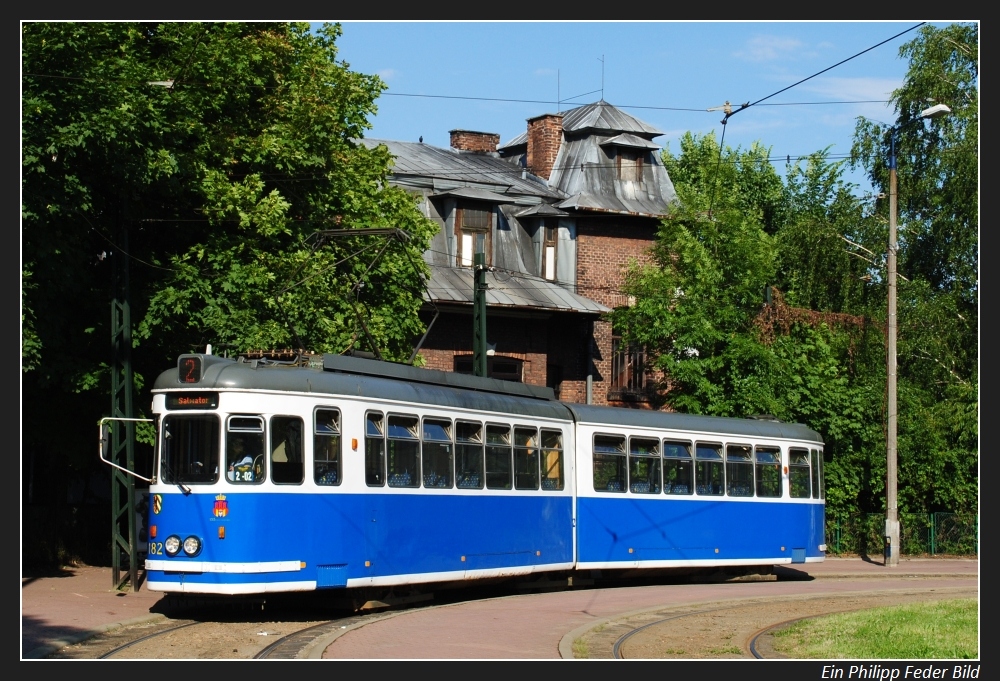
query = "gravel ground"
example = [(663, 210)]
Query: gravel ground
[(200, 641)]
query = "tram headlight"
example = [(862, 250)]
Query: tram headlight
[(192, 546), (172, 545)]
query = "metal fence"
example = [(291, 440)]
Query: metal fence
[(919, 534)]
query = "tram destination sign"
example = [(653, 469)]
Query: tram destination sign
[(187, 400)]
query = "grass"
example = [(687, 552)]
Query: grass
[(919, 631), (726, 650)]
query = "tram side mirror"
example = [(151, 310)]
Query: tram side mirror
[(105, 438)]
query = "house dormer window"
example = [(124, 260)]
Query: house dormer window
[(473, 232), (549, 250), (630, 163)]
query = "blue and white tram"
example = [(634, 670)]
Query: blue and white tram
[(340, 472)]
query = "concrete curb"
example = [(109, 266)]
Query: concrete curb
[(315, 649)]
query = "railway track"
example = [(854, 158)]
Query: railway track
[(221, 639), (734, 630), (758, 651), (211, 639), (125, 646), (751, 643), (248, 631)]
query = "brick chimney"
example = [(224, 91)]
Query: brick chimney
[(544, 138), (470, 140)]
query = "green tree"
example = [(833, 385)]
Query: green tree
[(828, 243), (713, 259), (938, 312), (937, 161), (816, 354), (224, 153), (812, 355)]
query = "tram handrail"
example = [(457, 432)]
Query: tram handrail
[(102, 436)]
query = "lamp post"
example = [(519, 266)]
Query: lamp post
[(891, 504)]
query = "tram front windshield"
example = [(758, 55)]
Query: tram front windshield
[(189, 452)]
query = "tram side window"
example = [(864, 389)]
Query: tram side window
[(190, 450), (326, 448), (644, 465), (739, 471), (525, 458), (245, 450), (552, 459), (286, 450), (768, 469), (798, 473), (437, 450), (498, 457), (374, 449), (678, 468), (817, 474), (403, 451), (469, 452), (709, 469), (609, 463)]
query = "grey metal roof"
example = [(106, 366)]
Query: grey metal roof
[(448, 169), (603, 116), (481, 394), (585, 172), (627, 140), (542, 209), (507, 289), (384, 380), (405, 372), (476, 193), (599, 116), (520, 140), (587, 175), (643, 418), (606, 204)]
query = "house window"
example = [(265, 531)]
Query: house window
[(504, 368), (630, 164), (549, 251), (473, 227), (628, 370)]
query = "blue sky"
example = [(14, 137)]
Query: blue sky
[(447, 75)]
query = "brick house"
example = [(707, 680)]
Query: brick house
[(558, 212)]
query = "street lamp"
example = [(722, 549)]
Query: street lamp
[(891, 505)]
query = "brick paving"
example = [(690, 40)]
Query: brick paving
[(74, 604)]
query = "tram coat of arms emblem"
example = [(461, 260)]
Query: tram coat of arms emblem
[(157, 504), (221, 506)]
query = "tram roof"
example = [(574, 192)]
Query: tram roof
[(362, 378), (365, 378), (644, 418)]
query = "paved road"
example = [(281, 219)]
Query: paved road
[(543, 626), (77, 603)]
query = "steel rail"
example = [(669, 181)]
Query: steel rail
[(144, 638)]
